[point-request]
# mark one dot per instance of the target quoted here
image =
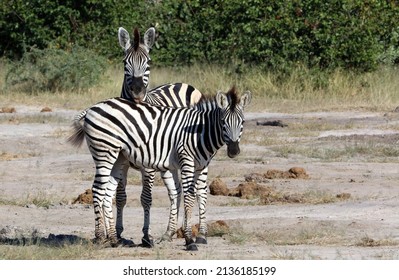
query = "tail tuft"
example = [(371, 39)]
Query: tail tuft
[(78, 134)]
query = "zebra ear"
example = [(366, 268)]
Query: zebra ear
[(221, 100), (246, 98), (124, 38), (149, 38)]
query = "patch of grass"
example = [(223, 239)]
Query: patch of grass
[(34, 118), (319, 233), (6, 156), (239, 237), (35, 252), (367, 241), (55, 70), (369, 151), (308, 197), (316, 233), (341, 91), (38, 198), (284, 255)]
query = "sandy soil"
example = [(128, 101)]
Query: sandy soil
[(351, 159)]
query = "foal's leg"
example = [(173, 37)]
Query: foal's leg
[(172, 183), (202, 196), (147, 177)]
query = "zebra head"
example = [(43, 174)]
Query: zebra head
[(232, 118), (136, 63)]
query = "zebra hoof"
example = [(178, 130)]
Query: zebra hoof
[(191, 247), (126, 242), (115, 243), (102, 242), (147, 243), (201, 240)]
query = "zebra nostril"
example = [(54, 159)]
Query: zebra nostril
[(233, 149)]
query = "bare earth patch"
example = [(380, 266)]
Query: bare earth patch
[(324, 185)]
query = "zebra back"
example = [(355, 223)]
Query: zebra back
[(173, 95)]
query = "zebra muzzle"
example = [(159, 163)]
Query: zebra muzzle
[(233, 149), (137, 89)]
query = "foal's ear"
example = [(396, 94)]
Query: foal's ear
[(246, 98), (124, 38), (221, 100), (149, 38)]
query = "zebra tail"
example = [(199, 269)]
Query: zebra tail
[(78, 134)]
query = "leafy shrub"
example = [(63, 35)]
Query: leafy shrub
[(55, 70), (277, 35)]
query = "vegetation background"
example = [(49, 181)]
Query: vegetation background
[(301, 49), (295, 56)]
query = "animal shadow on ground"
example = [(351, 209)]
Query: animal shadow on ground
[(52, 240)]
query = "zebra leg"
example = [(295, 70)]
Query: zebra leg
[(147, 176), (172, 183), (99, 189), (121, 201), (121, 194), (107, 208), (116, 178), (187, 178), (120, 204), (202, 191)]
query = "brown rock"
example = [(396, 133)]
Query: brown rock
[(84, 198), (218, 228), (249, 190), (8, 110), (277, 174), (180, 231), (45, 109), (298, 172), (218, 187)]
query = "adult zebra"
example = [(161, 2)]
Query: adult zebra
[(169, 95), (135, 82), (163, 139), (136, 63)]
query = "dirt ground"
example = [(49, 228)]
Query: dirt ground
[(346, 207)]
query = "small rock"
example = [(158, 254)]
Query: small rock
[(218, 187), (8, 110), (45, 109)]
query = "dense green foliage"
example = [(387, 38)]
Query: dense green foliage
[(328, 34), (354, 34)]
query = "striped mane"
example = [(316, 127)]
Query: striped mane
[(136, 40), (232, 95)]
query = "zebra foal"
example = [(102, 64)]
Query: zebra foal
[(162, 139)]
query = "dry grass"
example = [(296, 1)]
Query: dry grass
[(367, 241), (299, 92)]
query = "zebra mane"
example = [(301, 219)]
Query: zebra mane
[(136, 39), (231, 94)]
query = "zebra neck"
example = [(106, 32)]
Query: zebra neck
[(213, 131), (124, 92)]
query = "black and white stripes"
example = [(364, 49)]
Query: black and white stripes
[(136, 63), (162, 139)]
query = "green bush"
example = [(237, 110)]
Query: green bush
[(276, 35), (55, 70)]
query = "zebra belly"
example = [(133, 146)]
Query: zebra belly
[(139, 160)]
